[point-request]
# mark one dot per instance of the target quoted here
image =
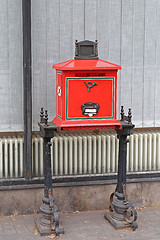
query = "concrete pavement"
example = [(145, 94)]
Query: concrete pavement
[(83, 225)]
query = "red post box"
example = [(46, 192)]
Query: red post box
[(86, 97), (86, 90)]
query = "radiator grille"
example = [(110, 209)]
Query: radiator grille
[(85, 153), (11, 157), (75, 153)]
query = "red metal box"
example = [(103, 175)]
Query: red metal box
[(86, 94)]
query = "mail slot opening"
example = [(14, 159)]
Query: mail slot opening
[(90, 108)]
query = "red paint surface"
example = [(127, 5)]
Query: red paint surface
[(86, 124), (86, 65), (59, 94), (78, 94)]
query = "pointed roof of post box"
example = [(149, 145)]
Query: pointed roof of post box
[(86, 58), (98, 64)]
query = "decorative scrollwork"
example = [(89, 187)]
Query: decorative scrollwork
[(55, 221), (130, 216), (111, 208), (54, 217)]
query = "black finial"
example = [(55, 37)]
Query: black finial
[(76, 48), (122, 113), (41, 116), (129, 116), (46, 117)]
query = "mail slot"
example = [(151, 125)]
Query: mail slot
[(86, 90), (90, 109)]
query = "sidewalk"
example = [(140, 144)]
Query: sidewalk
[(83, 225)]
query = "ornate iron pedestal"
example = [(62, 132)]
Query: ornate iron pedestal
[(122, 212), (48, 222)]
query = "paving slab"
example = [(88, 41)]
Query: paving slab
[(83, 225)]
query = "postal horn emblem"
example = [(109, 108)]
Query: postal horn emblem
[(90, 85)]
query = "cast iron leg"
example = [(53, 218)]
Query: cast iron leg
[(123, 213), (48, 222)]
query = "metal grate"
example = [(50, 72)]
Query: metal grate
[(82, 152)]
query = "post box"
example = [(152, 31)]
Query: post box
[(86, 98), (86, 90)]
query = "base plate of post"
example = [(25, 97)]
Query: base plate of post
[(119, 224), (43, 230), (46, 230)]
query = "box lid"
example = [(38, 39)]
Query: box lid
[(86, 65)]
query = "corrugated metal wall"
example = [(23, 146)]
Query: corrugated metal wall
[(11, 89), (127, 32)]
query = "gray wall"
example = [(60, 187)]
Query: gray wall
[(127, 32), (11, 89)]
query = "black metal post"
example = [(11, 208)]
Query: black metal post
[(27, 86), (121, 182), (47, 166), (123, 213), (49, 221)]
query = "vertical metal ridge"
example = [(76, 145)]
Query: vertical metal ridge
[(75, 158), (60, 153), (84, 154), (103, 154), (65, 155), (32, 157), (94, 155), (16, 157), (6, 158), (158, 151), (140, 152), (131, 147), (135, 153), (41, 156), (108, 147), (128, 163), (89, 143), (36, 157), (11, 158), (145, 152), (154, 151), (149, 148), (113, 166), (99, 149), (55, 156), (21, 142), (80, 165), (117, 153), (70, 155)]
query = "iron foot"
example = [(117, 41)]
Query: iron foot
[(48, 222)]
